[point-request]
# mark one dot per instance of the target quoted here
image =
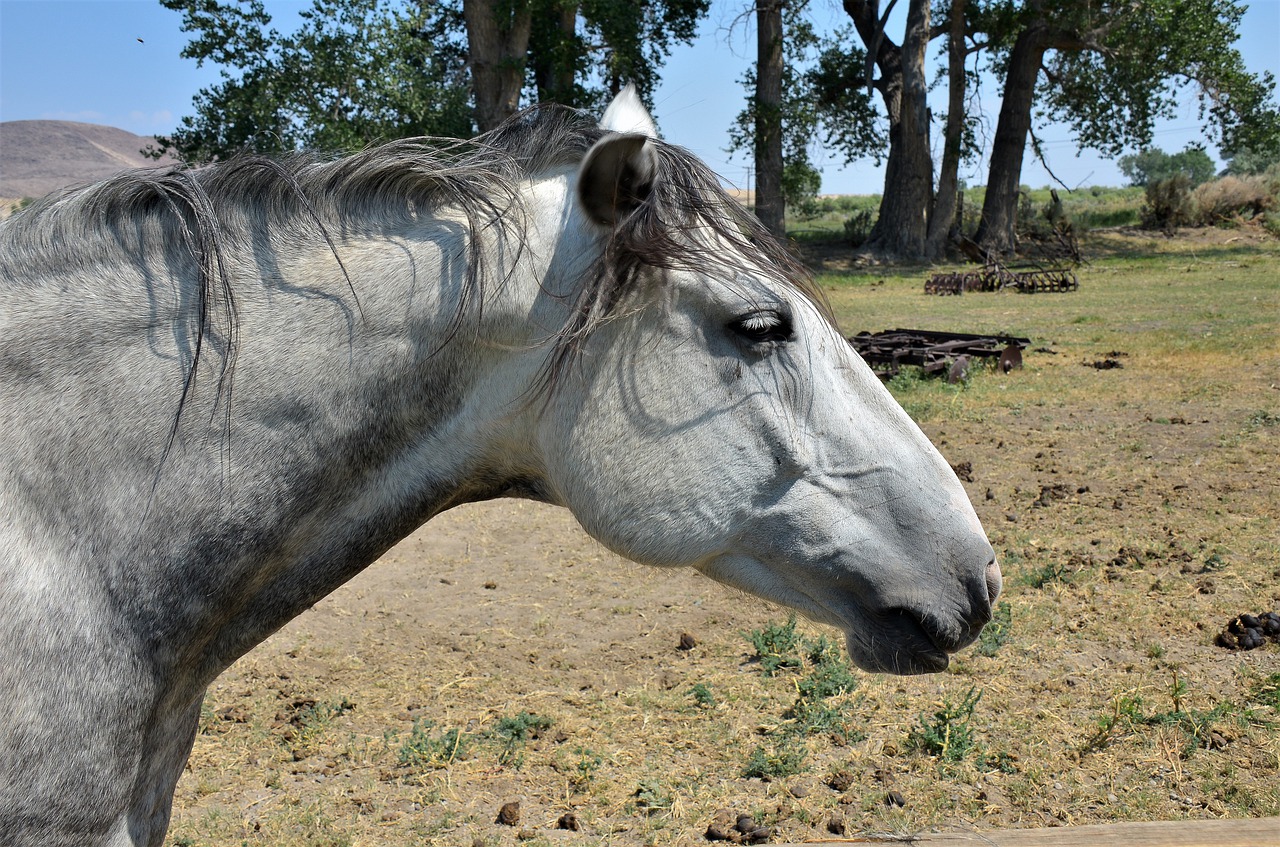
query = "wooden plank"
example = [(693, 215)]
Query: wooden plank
[(1254, 832)]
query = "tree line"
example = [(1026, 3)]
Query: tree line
[(359, 71)]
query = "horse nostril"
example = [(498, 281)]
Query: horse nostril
[(994, 581)]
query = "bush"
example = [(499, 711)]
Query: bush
[(858, 228), (1168, 204), (1230, 197)]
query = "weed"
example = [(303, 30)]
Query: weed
[(1130, 713), (310, 720), (826, 674), (651, 796), (585, 769), (514, 732), (996, 633), (702, 696), (948, 733), (1267, 691), (830, 673), (425, 750), (1050, 572), (784, 759), (1262, 418), (777, 646)]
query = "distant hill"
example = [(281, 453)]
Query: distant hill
[(37, 157)]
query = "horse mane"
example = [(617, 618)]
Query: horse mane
[(206, 212)]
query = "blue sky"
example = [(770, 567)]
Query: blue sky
[(116, 62)]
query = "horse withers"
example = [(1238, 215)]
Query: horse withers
[(225, 391)]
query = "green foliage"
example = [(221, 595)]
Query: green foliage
[(702, 696), (775, 762), (361, 71), (857, 229), (513, 732), (824, 673), (829, 671), (651, 796), (581, 53), (948, 732), (822, 96), (1115, 70), (1153, 164), (357, 71), (588, 762), (1267, 691), (1130, 713), (423, 749), (996, 633), (777, 646), (1049, 573), (1248, 162), (1168, 204)]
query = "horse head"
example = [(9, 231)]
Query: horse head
[(717, 419)]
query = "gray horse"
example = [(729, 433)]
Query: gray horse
[(224, 392)]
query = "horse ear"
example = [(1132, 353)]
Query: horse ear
[(616, 176), (627, 114)]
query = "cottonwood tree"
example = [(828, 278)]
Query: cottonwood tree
[(357, 71), (582, 52), (1109, 70), (1153, 164), (902, 226), (497, 44), (813, 94), (361, 71)]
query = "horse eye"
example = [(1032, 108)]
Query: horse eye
[(763, 326)]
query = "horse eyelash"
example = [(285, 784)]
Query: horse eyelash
[(764, 325)]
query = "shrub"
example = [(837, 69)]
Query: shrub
[(1168, 204), (858, 228), (1231, 197)]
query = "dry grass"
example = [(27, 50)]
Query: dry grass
[(1107, 701)]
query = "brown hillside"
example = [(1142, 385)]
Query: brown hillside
[(37, 157)]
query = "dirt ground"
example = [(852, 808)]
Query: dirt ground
[(500, 656)]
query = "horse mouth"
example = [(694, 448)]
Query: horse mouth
[(898, 644)]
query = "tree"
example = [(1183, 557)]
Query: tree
[(942, 216), (1244, 161), (902, 225), (497, 43), (357, 71), (360, 71), (770, 204), (582, 52), (1109, 70), (1153, 164)]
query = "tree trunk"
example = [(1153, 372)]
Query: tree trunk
[(902, 225), (1000, 208), (770, 204), (553, 67), (943, 218), (497, 43)]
